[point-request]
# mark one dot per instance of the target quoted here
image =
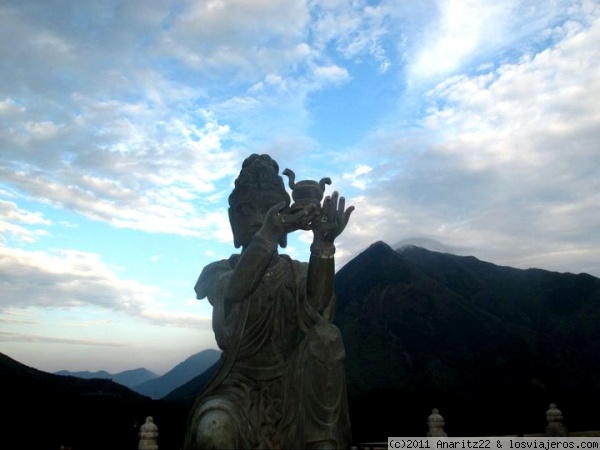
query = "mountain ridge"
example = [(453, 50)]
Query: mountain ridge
[(428, 329), (180, 374), (53, 411), (151, 384), (489, 346), (128, 378)]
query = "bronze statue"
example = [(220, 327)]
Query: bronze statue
[(281, 380)]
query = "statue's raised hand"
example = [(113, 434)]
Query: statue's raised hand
[(333, 219), (279, 221)]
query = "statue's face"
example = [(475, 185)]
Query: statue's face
[(249, 212)]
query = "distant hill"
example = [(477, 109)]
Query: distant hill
[(85, 374), (187, 393), (183, 372), (489, 346), (129, 378), (47, 411)]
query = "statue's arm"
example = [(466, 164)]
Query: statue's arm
[(250, 268), (320, 281), (257, 255), (234, 281), (321, 268)]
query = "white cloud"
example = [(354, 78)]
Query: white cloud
[(357, 29), (357, 178), (458, 33), (523, 112), (249, 38), (10, 211), (66, 279), (466, 31), (9, 107), (18, 223), (331, 74), (70, 279), (96, 123), (508, 168), (131, 172), (11, 337)]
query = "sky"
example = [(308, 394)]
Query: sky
[(465, 126)]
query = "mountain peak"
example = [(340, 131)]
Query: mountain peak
[(425, 243), (379, 250), (180, 374), (433, 329)]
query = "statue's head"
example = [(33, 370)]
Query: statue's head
[(257, 189)]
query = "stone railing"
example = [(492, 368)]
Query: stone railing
[(436, 424)]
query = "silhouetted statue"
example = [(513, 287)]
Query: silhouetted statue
[(148, 435), (281, 381)]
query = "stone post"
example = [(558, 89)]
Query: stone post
[(435, 422), (148, 435), (555, 425)]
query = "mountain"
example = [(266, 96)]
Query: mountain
[(48, 411), (85, 374), (129, 378), (182, 373), (134, 377), (489, 346), (187, 393)]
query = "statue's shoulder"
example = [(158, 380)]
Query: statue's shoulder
[(211, 275), (222, 264)]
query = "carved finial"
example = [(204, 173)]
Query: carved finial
[(555, 425), (436, 423), (292, 176), (323, 182)]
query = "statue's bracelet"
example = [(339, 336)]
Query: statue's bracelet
[(323, 251)]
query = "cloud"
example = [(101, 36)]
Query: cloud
[(121, 129), (466, 31), (427, 243), (331, 74), (138, 114), (356, 178), (235, 36), (67, 279), (89, 126), (126, 174), (457, 35), (9, 337), (70, 279), (357, 30), (162, 318), (505, 164), (18, 223)]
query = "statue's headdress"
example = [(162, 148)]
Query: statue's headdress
[(259, 172)]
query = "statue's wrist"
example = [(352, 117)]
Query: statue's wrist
[(323, 250), (265, 240)]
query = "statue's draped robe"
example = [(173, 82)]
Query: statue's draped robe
[(281, 376)]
